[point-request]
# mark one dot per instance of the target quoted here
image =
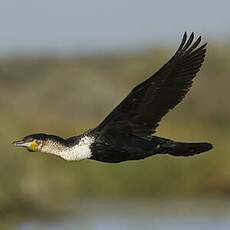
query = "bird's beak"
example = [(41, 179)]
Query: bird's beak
[(31, 146), (19, 143)]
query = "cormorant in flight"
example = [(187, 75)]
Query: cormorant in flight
[(126, 133)]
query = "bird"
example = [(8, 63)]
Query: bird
[(127, 133)]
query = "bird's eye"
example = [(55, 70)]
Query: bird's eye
[(30, 139)]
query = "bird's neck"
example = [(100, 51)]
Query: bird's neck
[(77, 152), (55, 147)]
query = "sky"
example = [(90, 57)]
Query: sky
[(68, 26)]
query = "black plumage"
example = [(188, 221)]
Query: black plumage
[(126, 133), (140, 112)]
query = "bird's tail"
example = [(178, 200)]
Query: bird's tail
[(140, 148), (183, 149)]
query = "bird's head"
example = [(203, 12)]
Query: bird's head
[(43, 143), (33, 142)]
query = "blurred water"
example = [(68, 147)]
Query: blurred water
[(160, 215), (115, 223)]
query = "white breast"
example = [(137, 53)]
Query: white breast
[(80, 151)]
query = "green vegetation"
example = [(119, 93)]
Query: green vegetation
[(65, 96)]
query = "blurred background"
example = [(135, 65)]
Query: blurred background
[(63, 66)]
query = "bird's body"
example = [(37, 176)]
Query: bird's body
[(126, 133)]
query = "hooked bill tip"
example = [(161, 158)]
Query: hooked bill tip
[(17, 143)]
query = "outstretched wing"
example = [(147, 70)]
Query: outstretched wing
[(140, 112)]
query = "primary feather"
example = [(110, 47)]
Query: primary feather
[(140, 112), (126, 133)]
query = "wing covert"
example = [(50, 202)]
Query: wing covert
[(140, 112)]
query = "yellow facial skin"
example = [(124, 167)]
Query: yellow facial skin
[(33, 146)]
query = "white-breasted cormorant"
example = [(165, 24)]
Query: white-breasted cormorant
[(126, 133)]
